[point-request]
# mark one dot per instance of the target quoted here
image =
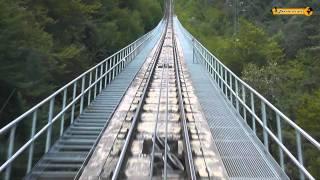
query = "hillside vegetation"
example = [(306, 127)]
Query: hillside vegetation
[(46, 43), (278, 56)]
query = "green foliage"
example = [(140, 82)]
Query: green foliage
[(265, 79), (309, 109), (213, 28), (24, 47), (46, 43)]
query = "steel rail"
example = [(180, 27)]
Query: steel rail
[(187, 92), (156, 125), (138, 110), (170, 23), (140, 85), (166, 129), (187, 144)]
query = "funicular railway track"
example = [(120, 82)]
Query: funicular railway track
[(164, 134), (157, 137)]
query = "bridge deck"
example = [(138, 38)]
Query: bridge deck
[(65, 158), (241, 151), (239, 148)]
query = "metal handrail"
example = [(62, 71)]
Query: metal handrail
[(105, 71), (225, 78)]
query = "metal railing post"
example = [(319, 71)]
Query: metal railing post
[(125, 55), (214, 70), (106, 76), (218, 75), (264, 120), (7, 174), (221, 78), (100, 81), (237, 95), (31, 148), (95, 83), (134, 50), (131, 54), (123, 63), (114, 61), (226, 82), (253, 112), (109, 67), (49, 131), (299, 151), (279, 129), (82, 95), (127, 58), (128, 54), (211, 66), (193, 51), (89, 92), (206, 60), (73, 97), (64, 101), (116, 66), (231, 90), (244, 102)]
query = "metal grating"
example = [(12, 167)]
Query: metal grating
[(237, 149), (219, 121), (228, 134), (248, 168)]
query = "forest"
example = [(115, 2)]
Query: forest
[(277, 55), (47, 43)]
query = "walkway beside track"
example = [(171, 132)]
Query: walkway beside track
[(65, 158), (240, 150)]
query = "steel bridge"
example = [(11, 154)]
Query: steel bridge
[(163, 107)]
